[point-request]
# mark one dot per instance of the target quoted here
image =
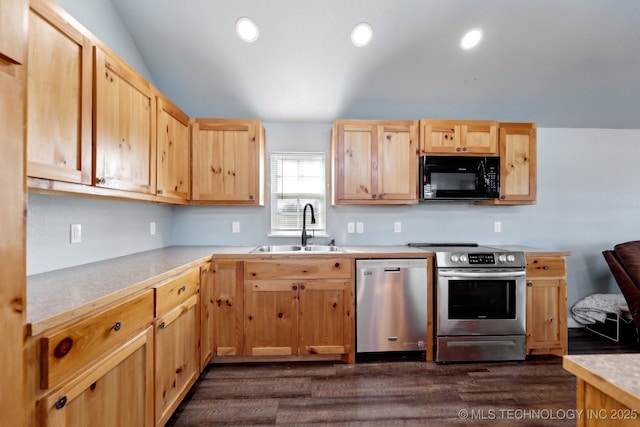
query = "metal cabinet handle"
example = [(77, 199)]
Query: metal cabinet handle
[(294, 287), (546, 268), (116, 326), (302, 287), (530, 284), (61, 402), (160, 191), (182, 289), (101, 181), (162, 325)]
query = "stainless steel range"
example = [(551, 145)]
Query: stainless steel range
[(480, 303)]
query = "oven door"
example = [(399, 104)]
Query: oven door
[(481, 302)]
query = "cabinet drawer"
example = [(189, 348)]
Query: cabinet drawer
[(546, 267), (301, 268), (67, 350), (176, 290)]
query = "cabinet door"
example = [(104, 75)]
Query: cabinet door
[(479, 137), (125, 127), (59, 98), (176, 362), (354, 155), (228, 308), (228, 161), (439, 137), (397, 163), (206, 315), (13, 28), (518, 163), (174, 151), (116, 390), (374, 162), (271, 318), (546, 328), (326, 323)]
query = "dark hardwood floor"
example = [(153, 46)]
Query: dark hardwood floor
[(536, 392)]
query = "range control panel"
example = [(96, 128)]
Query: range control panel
[(480, 259)]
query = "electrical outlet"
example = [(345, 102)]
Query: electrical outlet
[(152, 228), (76, 233), (350, 228), (235, 227), (497, 227), (359, 227), (397, 227)]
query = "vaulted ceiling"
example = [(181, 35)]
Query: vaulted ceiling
[(560, 63)]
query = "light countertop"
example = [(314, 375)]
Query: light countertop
[(59, 296), (617, 375)]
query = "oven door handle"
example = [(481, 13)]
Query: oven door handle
[(482, 275)]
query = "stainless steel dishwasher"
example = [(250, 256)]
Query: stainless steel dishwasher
[(391, 305)]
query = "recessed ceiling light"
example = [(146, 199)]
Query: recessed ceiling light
[(246, 29), (361, 34), (471, 39)]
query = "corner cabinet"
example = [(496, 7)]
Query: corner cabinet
[(59, 97), (374, 162), (173, 151), (546, 305), (227, 308), (299, 308), (227, 161), (454, 137), (124, 126)]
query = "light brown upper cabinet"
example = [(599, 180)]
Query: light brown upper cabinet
[(458, 137), (517, 163), (227, 161), (12, 31), (59, 97), (374, 162), (124, 126), (173, 151)]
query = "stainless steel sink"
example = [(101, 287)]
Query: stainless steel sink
[(277, 248), (323, 248), (285, 249)]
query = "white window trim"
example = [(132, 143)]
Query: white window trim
[(296, 233)]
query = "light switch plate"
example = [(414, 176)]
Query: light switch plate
[(397, 227), (152, 228), (76, 233), (235, 227), (350, 228), (359, 228)]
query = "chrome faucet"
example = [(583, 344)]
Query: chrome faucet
[(304, 222)]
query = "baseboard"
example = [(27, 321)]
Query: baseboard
[(571, 323)]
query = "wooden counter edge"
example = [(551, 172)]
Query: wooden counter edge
[(605, 386)]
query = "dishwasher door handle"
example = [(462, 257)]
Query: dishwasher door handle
[(392, 270)]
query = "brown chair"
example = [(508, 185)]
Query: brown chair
[(624, 262)]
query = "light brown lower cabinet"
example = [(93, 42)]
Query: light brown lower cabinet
[(299, 308), (177, 362), (98, 370), (116, 390), (546, 305), (302, 317), (227, 308), (205, 314)]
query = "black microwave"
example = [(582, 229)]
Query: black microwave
[(459, 178)]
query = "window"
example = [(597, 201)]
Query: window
[(297, 179)]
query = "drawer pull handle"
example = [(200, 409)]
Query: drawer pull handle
[(182, 289), (116, 326), (530, 284), (61, 402), (546, 267), (162, 325), (302, 287)]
